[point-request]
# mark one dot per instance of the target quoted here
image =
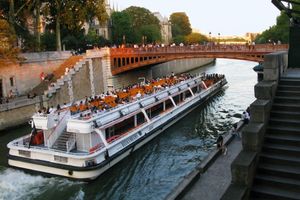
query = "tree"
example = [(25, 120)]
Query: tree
[(179, 39), (7, 41), (141, 20), (180, 24), (122, 26), (278, 32), (72, 14), (151, 32), (195, 38)]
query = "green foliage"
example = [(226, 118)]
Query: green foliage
[(141, 16), (96, 8), (278, 32), (122, 26), (195, 38), (7, 41), (180, 24), (92, 39), (143, 23), (179, 39), (48, 41), (152, 33), (69, 14)]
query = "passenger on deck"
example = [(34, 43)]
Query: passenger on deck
[(51, 110), (74, 109), (138, 95)]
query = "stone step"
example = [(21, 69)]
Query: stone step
[(289, 81), (288, 87), (61, 141), (281, 149), (274, 193), (291, 123), (287, 107), (65, 137), (279, 170), (287, 100), (287, 93), (288, 139), (285, 114), (277, 129), (276, 181), (60, 149), (274, 158)]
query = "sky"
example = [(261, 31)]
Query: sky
[(227, 17)]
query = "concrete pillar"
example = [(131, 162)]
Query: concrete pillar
[(260, 110), (252, 136), (265, 90), (294, 47), (106, 67), (91, 69), (70, 88)]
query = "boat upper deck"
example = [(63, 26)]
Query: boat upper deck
[(137, 97)]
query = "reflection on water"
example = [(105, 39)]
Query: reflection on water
[(155, 169)]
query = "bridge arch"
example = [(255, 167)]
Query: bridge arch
[(126, 59)]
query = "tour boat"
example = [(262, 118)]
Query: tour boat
[(82, 145)]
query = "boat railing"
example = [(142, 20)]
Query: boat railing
[(70, 144), (60, 127), (25, 145)]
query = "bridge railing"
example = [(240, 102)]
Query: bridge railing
[(264, 48)]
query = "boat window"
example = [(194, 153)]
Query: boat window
[(169, 104), (177, 99), (188, 94), (140, 119), (109, 132), (155, 110), (119, 129), (194, 89)]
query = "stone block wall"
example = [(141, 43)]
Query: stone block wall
[(17, 116), (92, 75), (244, 166), (26, 74), (81, 83)]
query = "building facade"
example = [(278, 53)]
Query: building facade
[(104, 29), (165, 27)]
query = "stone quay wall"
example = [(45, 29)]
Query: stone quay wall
[(159, 70), (18, 112), (23, 76), (90, 76), (244, 166)]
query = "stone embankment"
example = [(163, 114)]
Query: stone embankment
[(78, 77)]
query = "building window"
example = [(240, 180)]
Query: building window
[(97, 31), (12, 82)]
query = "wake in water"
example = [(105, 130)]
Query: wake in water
[(15, 184)]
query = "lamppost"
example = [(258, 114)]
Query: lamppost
[(209, 37), (124, 40), (143, 40), (218, 38)]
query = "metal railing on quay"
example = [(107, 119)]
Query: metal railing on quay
[(201, 48), (16, 102)]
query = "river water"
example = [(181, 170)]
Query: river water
[(156, 168)]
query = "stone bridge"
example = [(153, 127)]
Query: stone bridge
[(126, 59)]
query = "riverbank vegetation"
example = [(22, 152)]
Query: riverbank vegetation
[(278, 33)]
